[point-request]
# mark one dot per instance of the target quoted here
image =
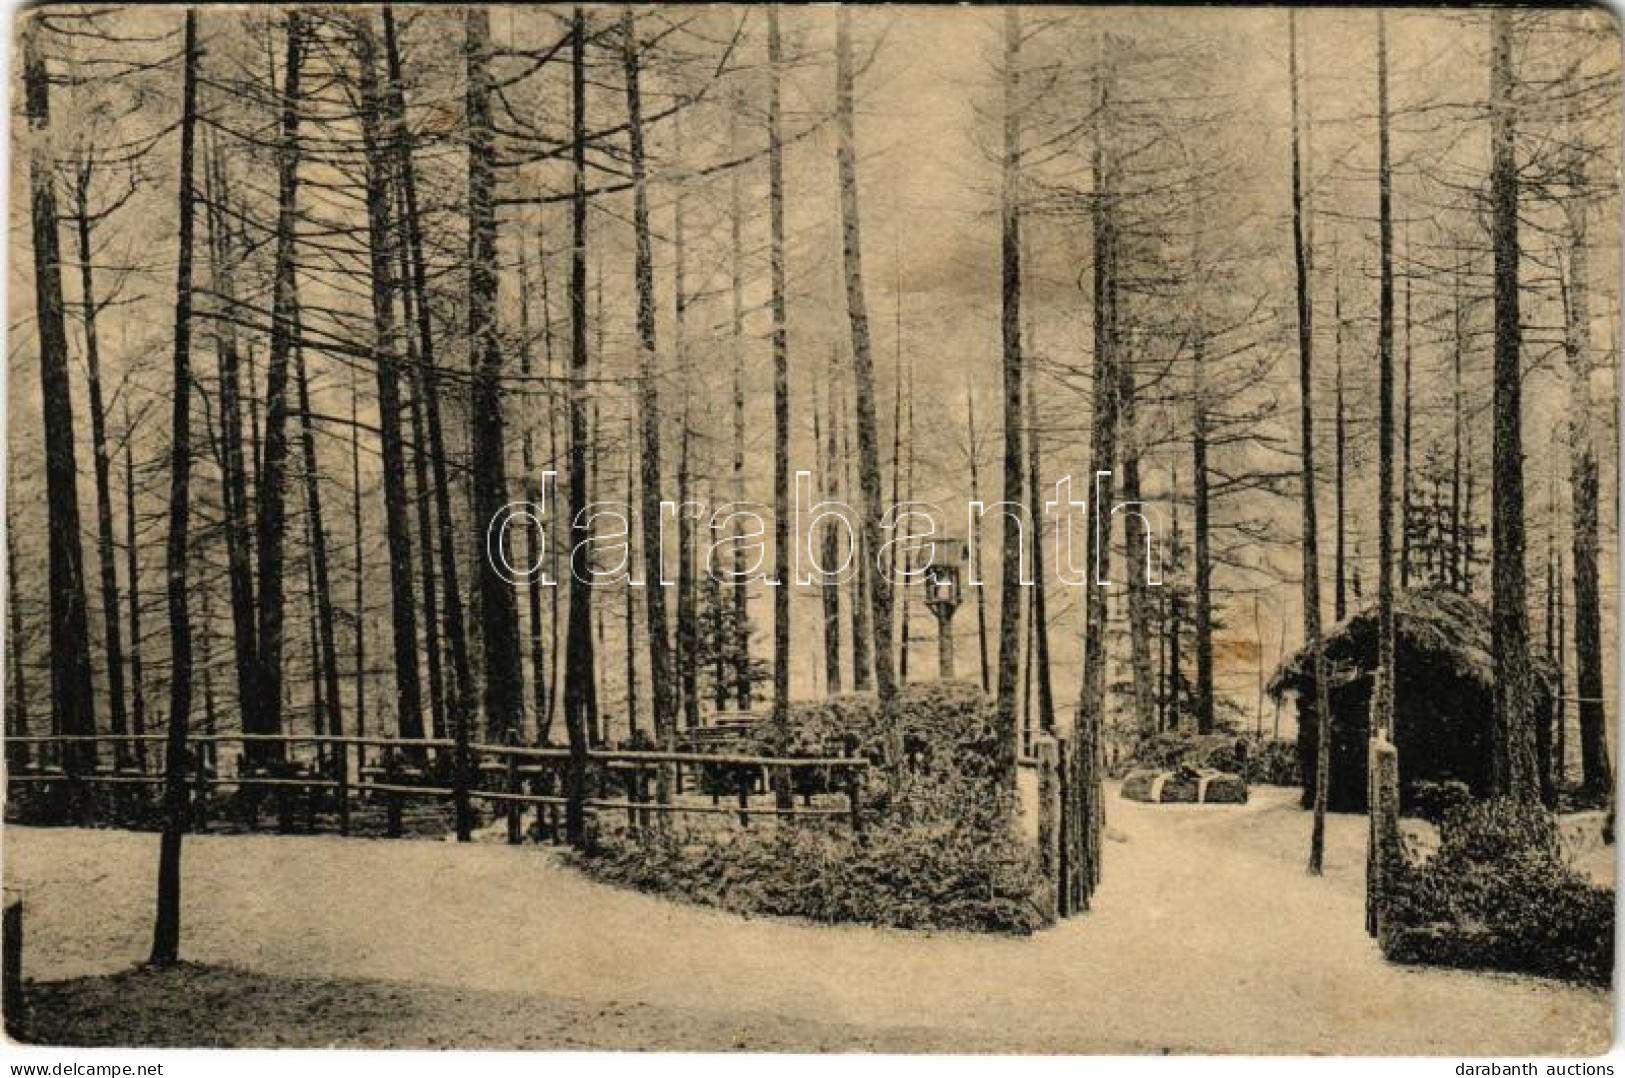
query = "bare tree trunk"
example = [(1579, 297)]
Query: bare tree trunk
[(630, 644), (1549, 766), (499, 612), (73, 703), (578, 633), (662, 674), (263, 712), (863, 373), (1040, 606), (896, 495), (1011, 553), (234, 479), (1458, 518), (536, 537), (318, 711), (359, 611), (555, 533), (322, 583), (387, 361), (461, 694), (132, 580), (1162, 660), (741, 592), (1201, 552), (1176, 626), (1382, 722), (597, 725), (1379, 836), (1406, 494), (721, 634), (1514, 771), (688, 625), (1136, 540), (166, 933), (251, 402), (1596, 773), (1090, 722), (688, 628), (1340, 601), (422, 495), (207, 755), (1028, 726), (104, 495), (906, 632), (781, 344), (831, 596), (1302, 261), (976, 540), (17, 753), (548, 681), (1560, 746), (862, 659)]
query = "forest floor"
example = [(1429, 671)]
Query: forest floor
[(1206, 936)]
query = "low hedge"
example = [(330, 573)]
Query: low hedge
[(894, 876), (1258, 760), (1498, 896), (936, 727), (939, 849)]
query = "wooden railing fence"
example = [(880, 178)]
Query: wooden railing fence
[(334, 772)]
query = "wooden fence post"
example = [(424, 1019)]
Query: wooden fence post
[(392, 797), (514, 832), (341, 762), (1382, 810), (78, 789), (745, 778), (1049, 818), (552, 785), (633, 785), (11, 951), (547, 815), (1066, 831), (280, 767), (200, 792), (783, 781), (462, 770)]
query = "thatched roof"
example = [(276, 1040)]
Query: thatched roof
[(1450, 631)]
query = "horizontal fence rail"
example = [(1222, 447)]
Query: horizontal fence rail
[(334, 772)]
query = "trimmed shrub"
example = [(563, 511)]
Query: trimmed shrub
[(941, 727), (1225, 790), (940, 849), (1432, 801), (1497, 895), (1180, 787), (1184, 785), (1258, 760), (895, 875), (1137, 785)]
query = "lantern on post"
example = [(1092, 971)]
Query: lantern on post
[(944, 590)]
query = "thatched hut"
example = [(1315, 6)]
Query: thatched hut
[(1444, 699)]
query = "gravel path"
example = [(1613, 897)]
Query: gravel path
[(1206, 936)]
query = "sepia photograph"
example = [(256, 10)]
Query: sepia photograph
[(724, 528)]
